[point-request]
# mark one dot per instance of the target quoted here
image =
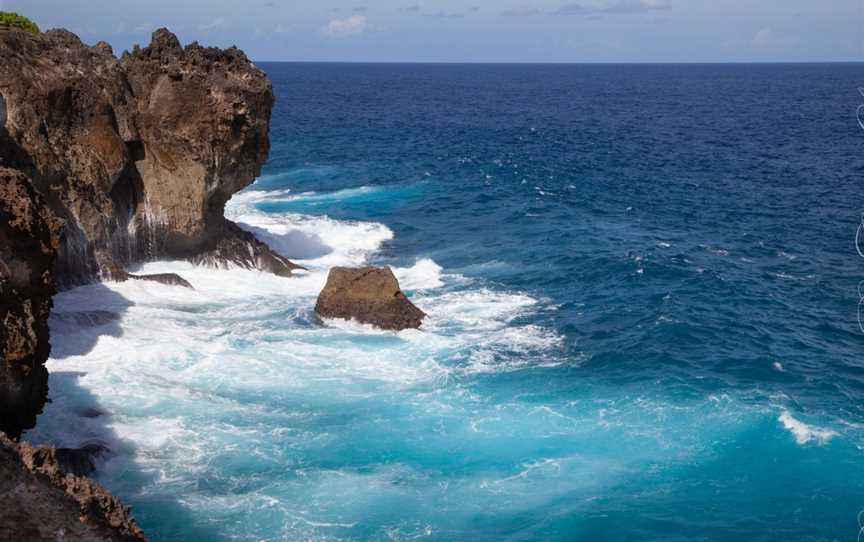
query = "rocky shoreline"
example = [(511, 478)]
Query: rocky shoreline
[(42, 500), (107, 162), (110, 162)]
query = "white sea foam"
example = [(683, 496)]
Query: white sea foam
[(803, 432), (318, 242), (238, 369), (167, 336), (246, 198), (423, 275), (312, 197)]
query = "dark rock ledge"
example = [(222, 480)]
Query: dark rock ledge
[(41, 501)]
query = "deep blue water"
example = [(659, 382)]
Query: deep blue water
[(644, 320), (692, 224)]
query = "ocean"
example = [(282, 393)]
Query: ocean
[(642, 288)]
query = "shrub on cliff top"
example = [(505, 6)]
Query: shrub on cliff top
[(13, 19)]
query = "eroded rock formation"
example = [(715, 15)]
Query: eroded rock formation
[(29, 237), (107, 162), (370, 295), (40, 501), (138, 154)]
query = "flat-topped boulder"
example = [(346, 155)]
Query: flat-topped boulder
[(370, 295)]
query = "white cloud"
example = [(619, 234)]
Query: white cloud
[(521, 11), (340, 28), (612, 7), (767, 38), (217, 22)]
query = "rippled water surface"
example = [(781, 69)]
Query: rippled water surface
[(641, 284)]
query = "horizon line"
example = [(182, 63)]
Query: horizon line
[(564, 63)]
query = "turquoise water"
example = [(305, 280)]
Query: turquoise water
[(642, 293)]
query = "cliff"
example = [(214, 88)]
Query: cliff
[(105, 163), (137, 155), (29, 237)]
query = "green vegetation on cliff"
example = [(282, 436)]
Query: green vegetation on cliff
[(13, 19)]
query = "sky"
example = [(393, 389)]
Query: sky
[(477, 30)]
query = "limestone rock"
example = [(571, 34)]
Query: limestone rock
[(138, 154), (370, 295), (39, 501), (29, 237)]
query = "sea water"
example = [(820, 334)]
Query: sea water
[(641, 287)]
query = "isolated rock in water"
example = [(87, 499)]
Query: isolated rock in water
[(29, 237), (370, 295), (138, 154), (39, 500)]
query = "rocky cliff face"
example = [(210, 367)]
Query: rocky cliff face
[(106, 162), (39, 501), (29, 238), (138, 154)]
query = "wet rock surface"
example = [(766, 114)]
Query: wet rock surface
[(370, 295), (170, 279), (39, 500)]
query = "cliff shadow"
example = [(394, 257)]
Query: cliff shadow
[(82, 315), (75, 418)]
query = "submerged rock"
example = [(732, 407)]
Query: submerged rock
[(370, 295), (39, 500), (170, 279), (91, 412), (86, 318)]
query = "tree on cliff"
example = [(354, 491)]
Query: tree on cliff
[(13, 19)]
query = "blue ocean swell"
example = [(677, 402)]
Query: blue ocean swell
[(693, 223), (646, 327)]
